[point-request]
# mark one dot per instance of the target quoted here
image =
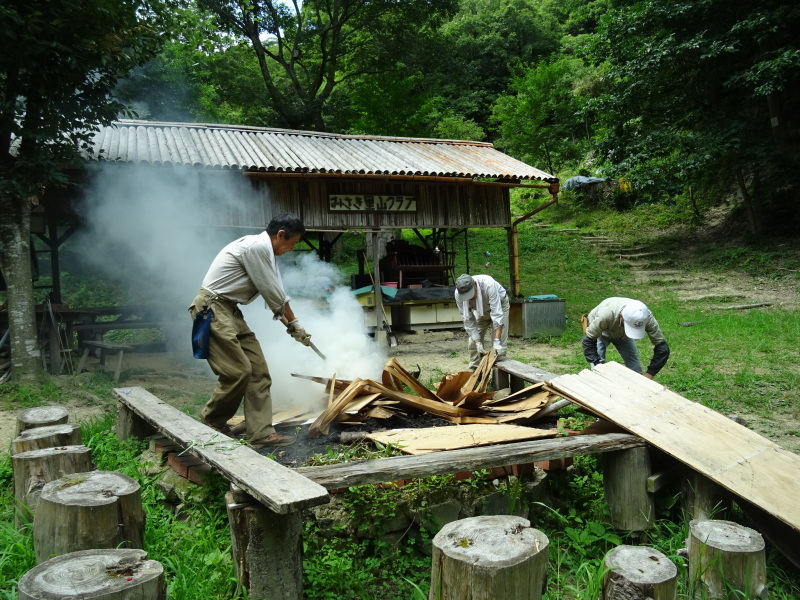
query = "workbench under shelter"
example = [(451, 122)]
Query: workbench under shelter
[(335, 183)]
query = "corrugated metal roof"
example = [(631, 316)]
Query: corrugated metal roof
[(288, 151)]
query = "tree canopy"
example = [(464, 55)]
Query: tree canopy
[(56, 86)]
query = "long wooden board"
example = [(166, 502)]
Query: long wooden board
[(735, 457), (275, 486), (381, 470), (434, 439)]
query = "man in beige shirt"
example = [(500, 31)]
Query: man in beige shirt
[(622, 321), (242, 271)]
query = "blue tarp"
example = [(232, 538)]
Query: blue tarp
[(573, 183)]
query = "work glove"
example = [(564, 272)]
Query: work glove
[(599, 362), (479, 347), (298, 333), (498, 347)]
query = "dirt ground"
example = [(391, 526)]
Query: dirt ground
[(186, 384)]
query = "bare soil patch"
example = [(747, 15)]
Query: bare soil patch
[(187, 383)]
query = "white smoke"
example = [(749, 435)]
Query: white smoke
[(156, 231)]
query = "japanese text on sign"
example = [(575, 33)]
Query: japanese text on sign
[(364, 202)]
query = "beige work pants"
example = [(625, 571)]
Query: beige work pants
[(237, 360)]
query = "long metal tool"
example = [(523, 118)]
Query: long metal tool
[(312, 346)]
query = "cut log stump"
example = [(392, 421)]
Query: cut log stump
[(40, 416), (83, 511), (726, 560), (48, 436), (267, 549), (112, 574), (639, 573), (35, 468), (490, 557)]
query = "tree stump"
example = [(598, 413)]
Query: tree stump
[(82, 511), (267, 549), (33, 469), (726, 560), (112, 574), (625, 474), (639, 573), (485, 558), (40, 416), (49, 436)]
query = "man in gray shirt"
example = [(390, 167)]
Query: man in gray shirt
[(242, 271), (622, 321)]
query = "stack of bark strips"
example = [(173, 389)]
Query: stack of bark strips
[(460, 398)]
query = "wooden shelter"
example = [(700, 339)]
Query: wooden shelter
[(335, 183)]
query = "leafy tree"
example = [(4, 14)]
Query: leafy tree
[(700, 92), (200, 75), (540, 120), (306, 50), (479, 47), (55, 88)]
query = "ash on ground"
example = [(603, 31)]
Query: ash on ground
[(305, 447)]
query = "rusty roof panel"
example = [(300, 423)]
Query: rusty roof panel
[(289, 151)]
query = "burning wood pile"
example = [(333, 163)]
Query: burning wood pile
[(460, 398)]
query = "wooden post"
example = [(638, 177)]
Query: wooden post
[(35, 468), (40, 416), (726, 560), (702, 498), (637, 573), (267, 549), (485, 558), (50, 436), (625, 476), (129, 424), (81, 511), (110, 574)]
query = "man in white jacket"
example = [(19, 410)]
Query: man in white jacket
[(484, 306)]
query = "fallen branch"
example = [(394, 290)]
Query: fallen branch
[(742, 306)]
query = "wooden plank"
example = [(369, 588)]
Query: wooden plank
[(276, 487), (523, 371), (107, 345), (468, 459), (434, 439), (729, 454)]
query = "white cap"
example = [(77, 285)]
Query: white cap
[(634, 317)]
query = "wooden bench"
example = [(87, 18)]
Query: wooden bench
[(275, 496), (265, 514), (103, 348), (517, 375)]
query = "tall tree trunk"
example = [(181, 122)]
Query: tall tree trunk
[(750, 204), (15, 261)]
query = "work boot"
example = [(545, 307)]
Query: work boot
[(239, 428), (224, 429), (273, 440)]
